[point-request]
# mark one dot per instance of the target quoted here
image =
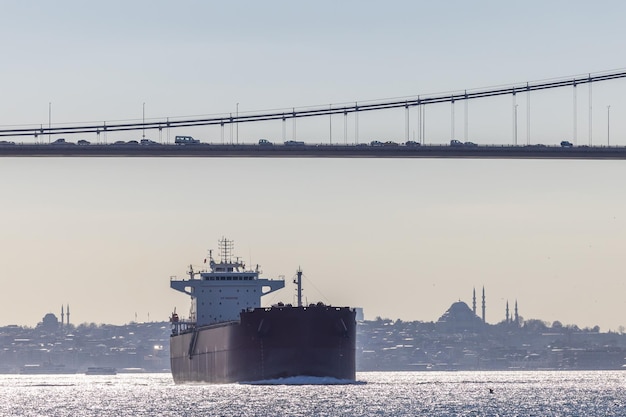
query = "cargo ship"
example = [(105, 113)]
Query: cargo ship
[(229, 337)]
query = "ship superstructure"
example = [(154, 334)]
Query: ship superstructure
[(221, 293)]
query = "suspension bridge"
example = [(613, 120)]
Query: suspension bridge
[(14, 144)]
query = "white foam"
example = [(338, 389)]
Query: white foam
[(305, 380)]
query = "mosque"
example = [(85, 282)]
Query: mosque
[(459, 317), (51, 322)]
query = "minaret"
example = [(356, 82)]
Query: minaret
[(484, 321), (474, 301), (62, 316), (516, 315), (68, 315), (507, 312)]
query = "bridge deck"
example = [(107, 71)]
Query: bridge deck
[(314, 151)]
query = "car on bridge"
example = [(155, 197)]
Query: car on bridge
[(83, 142), (265, 142), (390, 143), (294, 142), (185, 140), (455, 142), (376, 143), (566, 144), (62, 141), (412, 143)]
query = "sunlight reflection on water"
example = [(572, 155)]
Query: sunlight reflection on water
[(376, 394)]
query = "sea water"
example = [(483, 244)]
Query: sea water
[(561, 393)]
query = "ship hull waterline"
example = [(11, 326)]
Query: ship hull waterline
[(267, 344)]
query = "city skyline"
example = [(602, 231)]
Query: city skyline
[(510, 315), (399, 238)]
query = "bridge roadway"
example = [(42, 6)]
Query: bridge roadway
[(203, 150)]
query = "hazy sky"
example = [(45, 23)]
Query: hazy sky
[(400, 238)]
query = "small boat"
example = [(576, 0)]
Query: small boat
[(46, 369), (101, 370)]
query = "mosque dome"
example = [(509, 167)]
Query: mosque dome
[(49, 322), (459, 317)]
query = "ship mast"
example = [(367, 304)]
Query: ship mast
[(298, 282), (226, 250)]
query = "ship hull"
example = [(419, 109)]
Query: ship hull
[(268, 343)]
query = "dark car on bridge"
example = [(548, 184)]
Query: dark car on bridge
[(62, 141)]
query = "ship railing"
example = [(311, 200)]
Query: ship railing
[(183, 326)]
